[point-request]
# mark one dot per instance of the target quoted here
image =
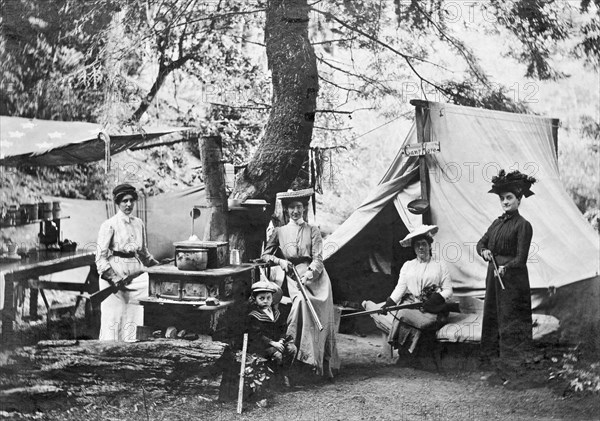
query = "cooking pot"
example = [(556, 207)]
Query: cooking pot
[(190, 256)]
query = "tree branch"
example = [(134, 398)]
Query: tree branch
[(339, 86), (330, 41), (344, 112), (223, 15), (331, 129), (242, 107), (365, 78), (457, 44), (376, 40)]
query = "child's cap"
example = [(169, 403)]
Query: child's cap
[(262, 286)]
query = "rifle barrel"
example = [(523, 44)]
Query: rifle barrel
[(380, 310), (453, 307), (497, 272), (313, 313)]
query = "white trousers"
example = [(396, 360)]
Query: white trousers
[(121, 313)]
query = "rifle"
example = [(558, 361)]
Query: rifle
[(453, 307), (302, 289), (121, 285), (497, 273)]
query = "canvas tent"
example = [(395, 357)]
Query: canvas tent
[(363, 256), (33, 142)]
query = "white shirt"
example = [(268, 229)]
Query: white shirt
[(415, 275), (269, 312), (125, 234)]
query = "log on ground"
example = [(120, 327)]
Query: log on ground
[(65, 373)]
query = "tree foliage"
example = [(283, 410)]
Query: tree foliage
[(109, 61), (46, 52)]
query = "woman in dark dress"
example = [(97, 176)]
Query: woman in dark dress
[(506, 333)]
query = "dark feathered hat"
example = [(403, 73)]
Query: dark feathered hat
[(515, 182)]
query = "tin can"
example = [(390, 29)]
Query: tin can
[(56, 210), (234, 257)]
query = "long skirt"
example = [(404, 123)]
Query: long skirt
[(121, 313), (315, 348), (404, 327), (507, 325)]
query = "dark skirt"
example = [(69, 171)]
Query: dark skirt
[(506, 331)]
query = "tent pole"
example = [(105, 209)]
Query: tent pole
[(555, 126), (420, 114)]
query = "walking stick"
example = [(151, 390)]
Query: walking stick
[(242, 370), (497, 272)]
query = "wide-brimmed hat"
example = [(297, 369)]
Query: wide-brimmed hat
[(301, 195), (420, 231), (515, 182)]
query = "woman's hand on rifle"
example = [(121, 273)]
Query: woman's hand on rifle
[(109, 275), (388, 303), (307, 276), (285, 265), (501, 270), (487, 255)]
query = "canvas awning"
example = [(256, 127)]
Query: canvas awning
[(33, 142)]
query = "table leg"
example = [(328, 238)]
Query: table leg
[(47, 307), (92, 312), (33, 303), (8, 312)]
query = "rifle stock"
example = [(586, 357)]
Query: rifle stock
[(97, 297)]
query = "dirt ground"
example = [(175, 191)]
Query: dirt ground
[(368, 387)]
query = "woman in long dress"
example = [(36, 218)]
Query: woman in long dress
[(422, 280), (122, 250), (300, 245), (506, 333)]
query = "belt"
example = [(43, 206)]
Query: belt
[(298, 260), (124, 255)]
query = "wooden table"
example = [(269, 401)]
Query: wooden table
[(26, 272), (178, 298)]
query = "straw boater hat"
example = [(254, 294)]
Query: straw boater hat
[(515, 182), (284, 198), (420, 231), (302, 195)]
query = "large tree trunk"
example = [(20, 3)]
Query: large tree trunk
[(286, 141)]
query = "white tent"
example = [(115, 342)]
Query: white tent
[(363, 255)]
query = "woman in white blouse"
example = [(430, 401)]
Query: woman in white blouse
[(423, 279), (122, 250)]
